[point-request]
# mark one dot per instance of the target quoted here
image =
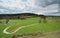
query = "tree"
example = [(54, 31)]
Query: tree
[(7, 19), (22, 17), (43, 18)]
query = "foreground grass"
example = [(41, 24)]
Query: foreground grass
[(51, 25)]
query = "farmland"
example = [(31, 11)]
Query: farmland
[(52, 24)]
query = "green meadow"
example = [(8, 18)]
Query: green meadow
[(52, 24)]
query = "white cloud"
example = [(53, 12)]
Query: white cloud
[(18, 6)]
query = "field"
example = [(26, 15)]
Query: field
[(30, 25)]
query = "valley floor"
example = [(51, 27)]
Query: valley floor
[(51, 25)]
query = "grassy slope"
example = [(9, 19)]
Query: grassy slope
[(51, 25)]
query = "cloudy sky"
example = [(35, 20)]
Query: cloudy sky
[(29, 6)]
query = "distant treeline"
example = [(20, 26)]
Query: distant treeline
[(18, 16)]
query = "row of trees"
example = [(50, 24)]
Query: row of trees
[(22, 17)]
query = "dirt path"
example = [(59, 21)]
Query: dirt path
[(55, 34), (6, 32)]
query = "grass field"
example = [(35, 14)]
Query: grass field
[(52, 24)]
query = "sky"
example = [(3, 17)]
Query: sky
[(47, 7)]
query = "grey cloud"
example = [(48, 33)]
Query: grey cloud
[(43, 3), (47, 2)]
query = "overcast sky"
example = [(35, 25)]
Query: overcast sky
[(28, 6)]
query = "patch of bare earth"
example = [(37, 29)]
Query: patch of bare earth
[(39, 35)]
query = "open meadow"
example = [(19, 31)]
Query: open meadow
[(29, 25)]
